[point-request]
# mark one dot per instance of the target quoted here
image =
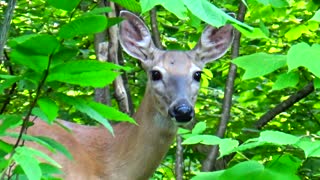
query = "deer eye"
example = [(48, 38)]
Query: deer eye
[(156, 75), (197, 76)]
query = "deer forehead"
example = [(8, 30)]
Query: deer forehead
[(177, 63)]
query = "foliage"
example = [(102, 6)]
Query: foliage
[(52, 74)]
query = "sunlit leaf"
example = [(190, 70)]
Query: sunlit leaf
[(267, 63), (304, 55), (176, 7), (49, 107)]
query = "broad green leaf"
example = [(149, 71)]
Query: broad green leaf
[(255, 33), (28, 163), (9, 121), (203, 139), (131, 5), (27, 137), (56, 145), (208, 175), (110, 113), (310, 147), (288, 164), (176, 7), (183, 131), (243, 170), (303, 55), (67, 5), (259, 64), (5, 147), (84, 73), (278, 138), (84, 25), (199, 128), (8, 81), (84, 107), (211, 14), (316, 17), (50, 109), (34, 51), (286, 80), (227, 146), (295, 32), (48, 169)]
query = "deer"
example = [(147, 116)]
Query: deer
[(171, 91)]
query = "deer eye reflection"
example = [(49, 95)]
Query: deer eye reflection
[(156, 75), (197, 76)]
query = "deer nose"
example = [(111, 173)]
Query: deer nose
[(182, 112)]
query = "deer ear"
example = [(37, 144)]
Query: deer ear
[(135, 37), (213, 43)]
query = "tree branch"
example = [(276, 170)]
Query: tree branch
[(154, 28), (6, 26), (267, 117), (211, 159)]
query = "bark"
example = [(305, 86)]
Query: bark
[(267, 117), (122, 94), (6, 26), (102, 95), (211, 163)]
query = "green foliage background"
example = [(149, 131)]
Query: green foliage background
[(50, 47)]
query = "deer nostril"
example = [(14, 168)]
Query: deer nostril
[(182, 113)]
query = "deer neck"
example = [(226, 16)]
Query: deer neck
[(141, 147)]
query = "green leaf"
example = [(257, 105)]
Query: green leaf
[(34, 51), (48, 169), (227, 146), (28, 163), (199, 128), (316, 83), (176, 7), (50, 109), (259, 64), (278, 138), (56, 145), (255, 33), (310, 147), (5, 147), (84, 73), (130, 5), (316, 17), (84, 107), (98, 10), (208, 175), (295, 32), (203, 139), (110, 113), (211, 14), (84, 25), (8, 81), (286, 80), (67, 5), (303, 55), (9, 121)]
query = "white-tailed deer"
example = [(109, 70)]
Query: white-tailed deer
[(171, 92)]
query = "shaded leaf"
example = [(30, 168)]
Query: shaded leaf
[(50, 109), (8, 81), (286, 80), (67, 5), (255, 33), (131, 5), (310, 147)]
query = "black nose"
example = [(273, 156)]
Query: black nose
[(182, 112)]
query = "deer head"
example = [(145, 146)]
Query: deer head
[(173, 76)]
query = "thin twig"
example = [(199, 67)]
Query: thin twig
[(155, 28), (210, 160)]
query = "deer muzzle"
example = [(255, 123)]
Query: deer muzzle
[(182, 111)]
